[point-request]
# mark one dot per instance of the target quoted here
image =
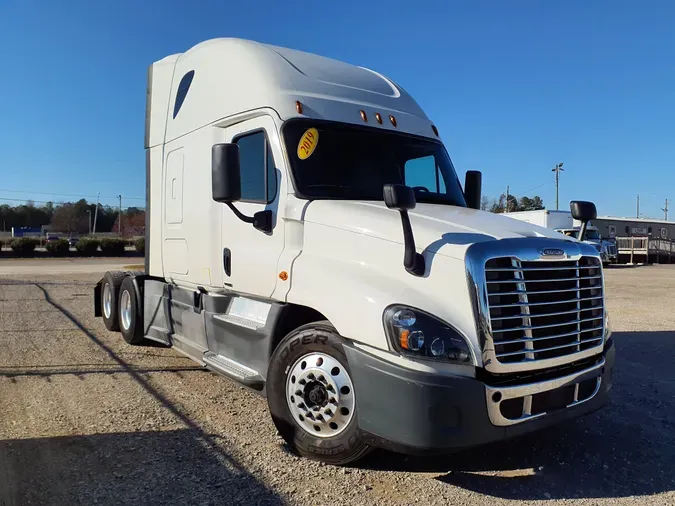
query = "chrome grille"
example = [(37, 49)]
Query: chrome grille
[(541, 310)]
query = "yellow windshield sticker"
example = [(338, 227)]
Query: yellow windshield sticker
[(308, 143)]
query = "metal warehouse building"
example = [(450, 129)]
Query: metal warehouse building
[(611, 226)]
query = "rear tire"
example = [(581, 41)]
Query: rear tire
[(130, 313), (333, 435), (109, 299)]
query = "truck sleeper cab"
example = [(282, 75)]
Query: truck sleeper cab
[(308, 237)]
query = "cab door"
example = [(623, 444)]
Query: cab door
[(249, 255)]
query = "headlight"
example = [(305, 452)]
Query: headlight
[(417, 334)]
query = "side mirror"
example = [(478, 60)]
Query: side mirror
[(225, 174), (226, 185), (402, 198), (473, 185), (584, 212), (399, 197)]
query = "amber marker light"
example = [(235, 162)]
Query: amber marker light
[(298, 107), (283, 275), (403, 337), (363, 116), (378, 118), (393, 120)]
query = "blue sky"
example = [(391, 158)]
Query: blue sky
[(513, 86)]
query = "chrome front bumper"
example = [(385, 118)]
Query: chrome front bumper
[(496, 396)]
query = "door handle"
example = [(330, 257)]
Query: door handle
[(227, 261)]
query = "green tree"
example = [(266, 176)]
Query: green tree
[(530, 204), (70, 218)]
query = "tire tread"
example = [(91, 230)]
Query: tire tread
[(114, 278)]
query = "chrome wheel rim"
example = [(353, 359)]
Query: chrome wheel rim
[(125, 309), (107, 300), (320, 395)]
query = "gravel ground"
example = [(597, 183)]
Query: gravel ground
[(86, 419)]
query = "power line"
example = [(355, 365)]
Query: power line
[(67, 194), (32, 200), (537, 187)]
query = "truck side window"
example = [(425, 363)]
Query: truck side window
[(257, 167), (422, 172)]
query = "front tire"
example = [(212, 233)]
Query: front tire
[(311, 396), (130, 313)]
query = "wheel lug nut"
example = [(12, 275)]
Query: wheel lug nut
[(328, 412), (320, 418), (322, 379), (302, 382), (310, 376), (330, 388), (301, 405), (333, 401)]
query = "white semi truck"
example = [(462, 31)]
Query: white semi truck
[(307, 236)]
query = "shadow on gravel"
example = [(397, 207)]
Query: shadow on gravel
[(82, 370), (154, 468), (625, 449), (176, 466)]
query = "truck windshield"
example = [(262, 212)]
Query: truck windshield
[(339, 161)]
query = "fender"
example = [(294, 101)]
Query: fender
[(352, 278)]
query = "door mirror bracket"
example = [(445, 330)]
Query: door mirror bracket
[(402, 198), (262, 220)]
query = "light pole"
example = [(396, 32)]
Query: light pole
[(119, 224), (98, 197), (89, 219), (557, 170)]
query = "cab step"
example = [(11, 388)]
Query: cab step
[(235, 370)]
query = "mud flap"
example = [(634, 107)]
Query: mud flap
[(97, 299)]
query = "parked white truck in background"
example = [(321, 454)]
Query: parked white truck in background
[(563, 222), (308, 237), (553, 220)]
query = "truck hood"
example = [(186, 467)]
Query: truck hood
[(442, 229)]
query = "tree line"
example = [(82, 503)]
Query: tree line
[(511, 203), (72, 218)]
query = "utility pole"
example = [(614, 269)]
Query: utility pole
[(89, 217), (557, 170), (637, 213), (119, 223), (665, 210), (98, 196), (506, 204)]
